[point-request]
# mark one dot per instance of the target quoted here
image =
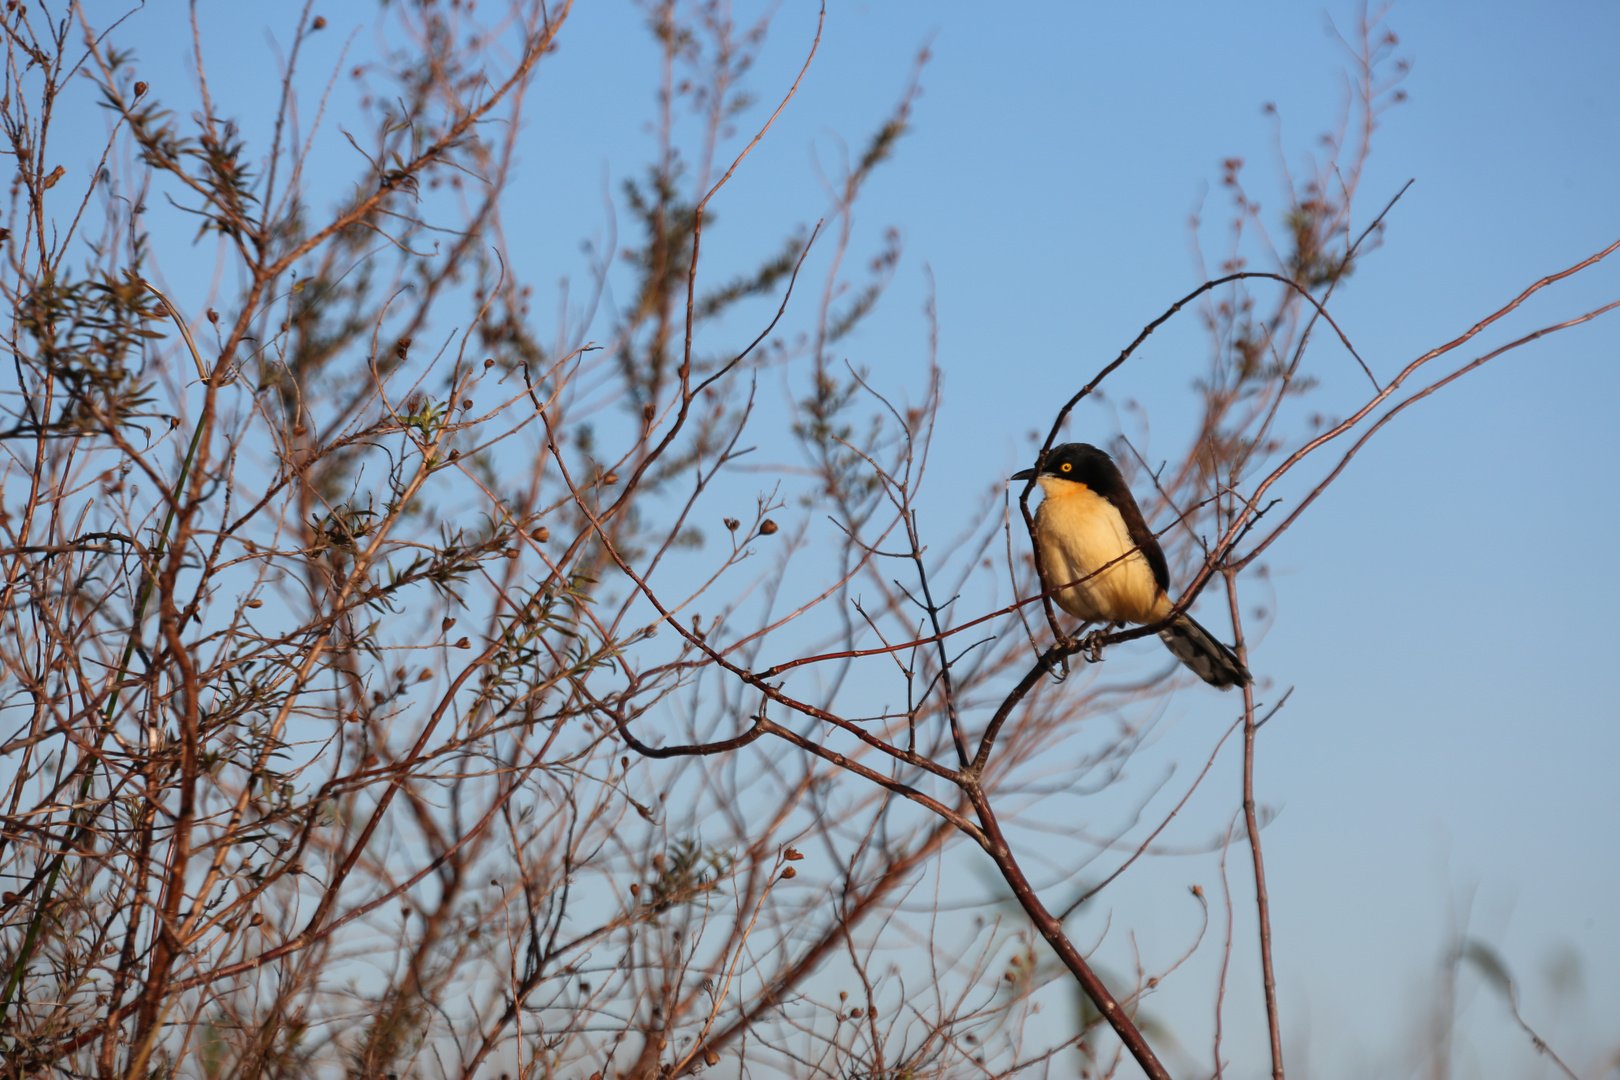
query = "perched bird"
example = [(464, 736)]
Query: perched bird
[(1105, 564)]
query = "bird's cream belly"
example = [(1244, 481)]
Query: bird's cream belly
[(1082, 536)]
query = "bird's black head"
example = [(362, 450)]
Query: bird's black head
[(1080, 462)]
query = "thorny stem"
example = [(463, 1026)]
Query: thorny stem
[(946, 685), (1251, 825), (142, 597), (1052, 930), (1226, 952)]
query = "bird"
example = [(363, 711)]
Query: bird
[(1105, 563)]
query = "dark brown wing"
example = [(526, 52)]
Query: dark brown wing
[(1101, 475), (1141, 535)]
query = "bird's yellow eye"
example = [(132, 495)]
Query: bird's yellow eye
[(1067, 466)]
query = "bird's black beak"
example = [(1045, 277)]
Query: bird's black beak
[(1027, 474)]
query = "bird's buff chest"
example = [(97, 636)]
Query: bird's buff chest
[(1082, 536)]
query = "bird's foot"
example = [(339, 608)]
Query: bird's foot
[(1091, 645)]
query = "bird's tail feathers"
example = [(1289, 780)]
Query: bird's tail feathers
[(1206, 655)]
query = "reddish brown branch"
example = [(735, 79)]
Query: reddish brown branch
[(1052, 930)]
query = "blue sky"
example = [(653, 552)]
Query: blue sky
[(1446, 612)]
